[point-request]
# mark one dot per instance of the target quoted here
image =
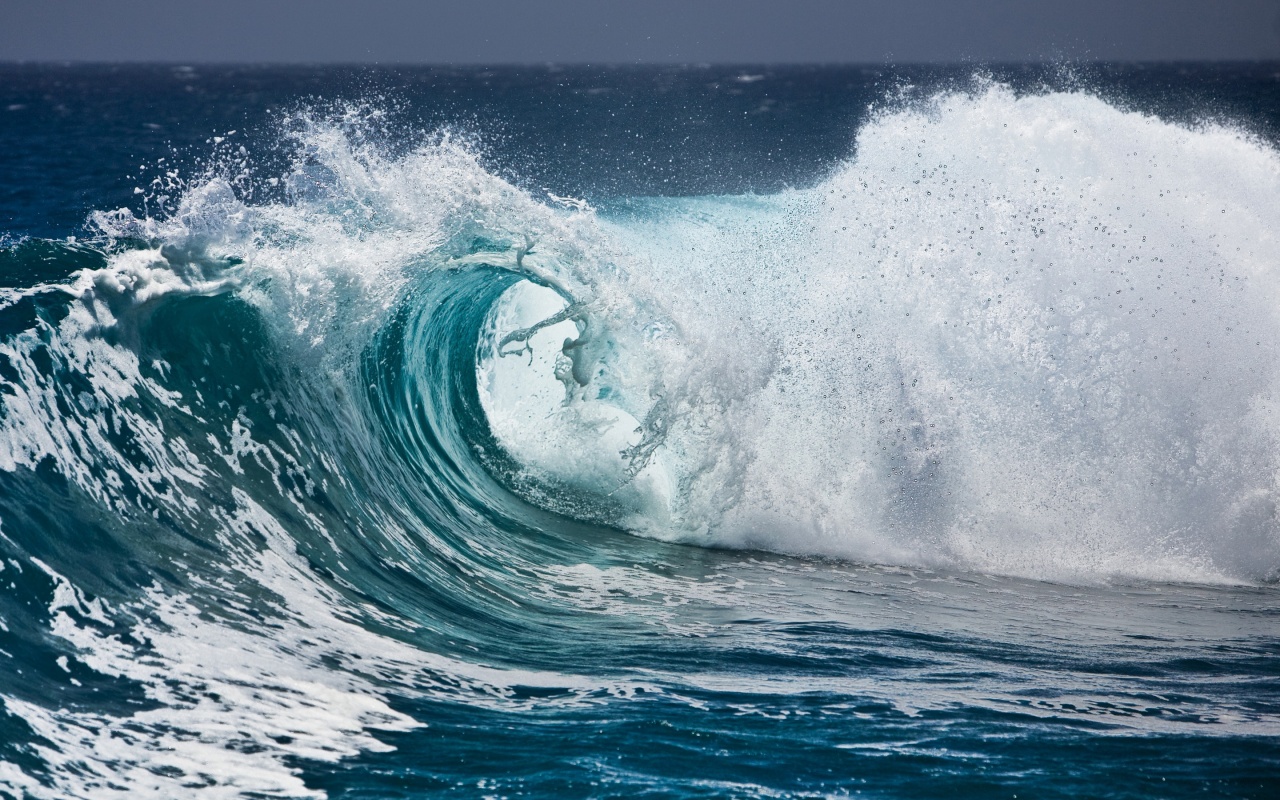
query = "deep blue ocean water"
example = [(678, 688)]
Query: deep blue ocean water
[(664, 432)]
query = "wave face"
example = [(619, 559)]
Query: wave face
[(308, 467)]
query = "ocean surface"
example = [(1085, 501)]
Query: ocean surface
[(640, 432)]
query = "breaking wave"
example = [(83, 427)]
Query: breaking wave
[(381, 402)]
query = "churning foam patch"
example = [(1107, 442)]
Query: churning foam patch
[(1021, 334)]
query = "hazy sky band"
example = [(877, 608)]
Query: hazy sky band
[(653, 31)]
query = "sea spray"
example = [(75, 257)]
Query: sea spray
[(1022, 334)]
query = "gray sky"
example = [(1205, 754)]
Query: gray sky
[(641, 31)]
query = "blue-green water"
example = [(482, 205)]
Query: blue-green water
[(697, 432)]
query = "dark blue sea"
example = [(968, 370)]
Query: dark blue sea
[(742, 432)]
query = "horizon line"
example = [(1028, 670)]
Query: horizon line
[(631, 64)]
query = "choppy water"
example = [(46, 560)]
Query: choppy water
[(680, 433)]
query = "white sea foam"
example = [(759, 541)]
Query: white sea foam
[(1030, 335), (232, 707)]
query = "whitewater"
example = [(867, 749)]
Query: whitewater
[(362, 468)]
